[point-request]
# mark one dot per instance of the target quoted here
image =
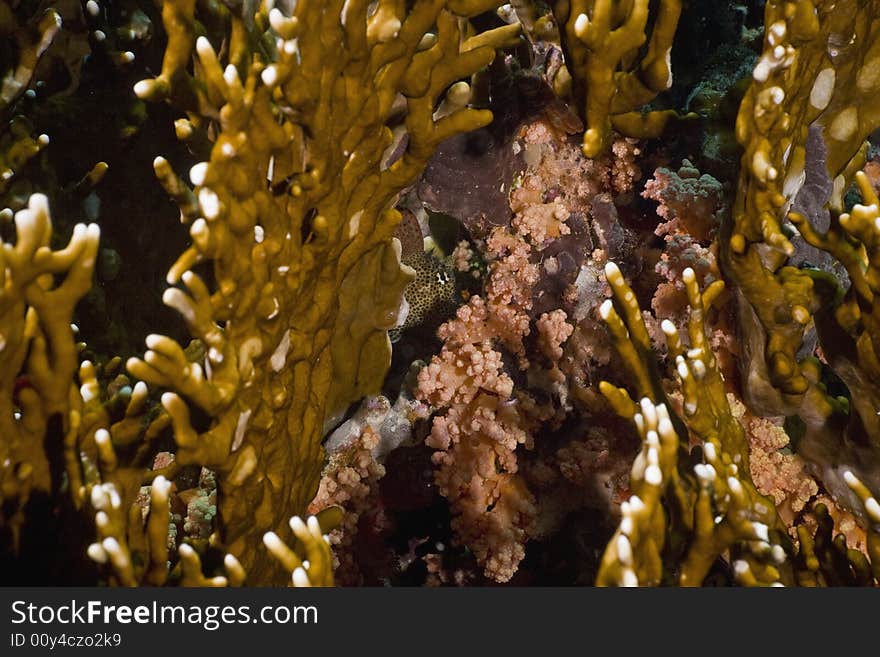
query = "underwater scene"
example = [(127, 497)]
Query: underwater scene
[(440, 293)]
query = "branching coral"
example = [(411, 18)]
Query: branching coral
[(294, 212), (811, 104), (37, 355), (484, 428), (476, 441), (607, 71), (136, 539), (136, 551), (801, 84), (712, 508), (315, 120), (700, 512)]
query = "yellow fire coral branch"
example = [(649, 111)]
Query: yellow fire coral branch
[(294, 210), (696, 514), (316, 569), (37, 351), (851, 327), (136, 552), (817, 72), (804, 120), (602, 41), (680, 519)]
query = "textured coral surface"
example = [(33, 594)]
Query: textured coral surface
[(440, 293)]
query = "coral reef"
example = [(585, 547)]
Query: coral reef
[(438, 307)]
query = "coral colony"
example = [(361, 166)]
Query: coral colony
[(440, 292)]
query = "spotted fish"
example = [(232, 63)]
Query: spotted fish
[(432, 294)]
